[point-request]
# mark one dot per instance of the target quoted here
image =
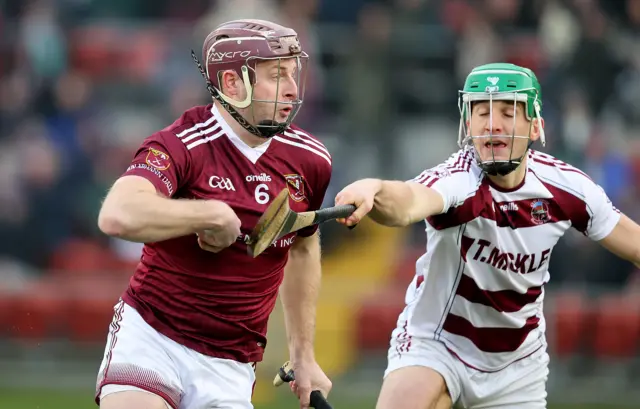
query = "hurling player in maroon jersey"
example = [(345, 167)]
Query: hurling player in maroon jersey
[(192, 323)]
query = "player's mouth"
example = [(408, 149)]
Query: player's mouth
[(495, 144)]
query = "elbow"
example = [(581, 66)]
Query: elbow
[(112, 224), (115, 223), (403, 222), (394, 222), (125, 211), (403, 219)]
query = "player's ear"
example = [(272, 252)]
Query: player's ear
[(232, 85), (536, 125)]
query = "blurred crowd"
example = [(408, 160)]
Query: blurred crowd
[(82, 82)]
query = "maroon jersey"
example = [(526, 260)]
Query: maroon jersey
[(219, 303)]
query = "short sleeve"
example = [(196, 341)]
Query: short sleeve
[(603, 215), (162, 161), (319, 190), (452, 179)]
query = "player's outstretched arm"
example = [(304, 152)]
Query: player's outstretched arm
[(390, 202), (624, 240), (133, 210)]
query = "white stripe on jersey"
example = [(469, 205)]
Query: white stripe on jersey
[(303, 146), (299, 135), (460, 162), (196, 126), (204, 132), (205, 140), (306, 135), (482, 316), (545, 158)]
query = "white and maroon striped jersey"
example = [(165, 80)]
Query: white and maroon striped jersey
[(479, 286)]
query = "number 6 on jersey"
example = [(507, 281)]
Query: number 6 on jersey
[(261, 194)]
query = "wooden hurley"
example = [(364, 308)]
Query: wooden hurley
[(279, 220)]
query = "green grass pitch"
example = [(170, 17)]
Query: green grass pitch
[(45, 399)]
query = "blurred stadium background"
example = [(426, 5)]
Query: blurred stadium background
[(82, 82)]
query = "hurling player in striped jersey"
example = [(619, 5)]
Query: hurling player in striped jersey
[(472, 333)]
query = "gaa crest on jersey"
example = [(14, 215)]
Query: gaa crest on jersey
[(295, 184), (158, 159), (540, 211)]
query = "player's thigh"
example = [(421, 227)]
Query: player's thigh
[(414, 387), (530, 396), (522, 385), (216, 383), (138, 358), (132, 399), (421, 373)]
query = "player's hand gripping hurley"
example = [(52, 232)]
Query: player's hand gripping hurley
[(286, 374), (279, 220)]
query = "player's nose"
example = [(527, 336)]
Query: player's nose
[(494, 128), (290, 90)]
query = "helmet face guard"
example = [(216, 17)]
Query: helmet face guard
[(498, 82), (269, 126), (240, 46)]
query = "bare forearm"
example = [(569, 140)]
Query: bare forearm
[(399, 203), (299, 294), (391, 204)]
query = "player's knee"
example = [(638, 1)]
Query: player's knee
[(133, 400), (414, 387)]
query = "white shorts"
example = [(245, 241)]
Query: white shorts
[(137, 357), (521, 385)]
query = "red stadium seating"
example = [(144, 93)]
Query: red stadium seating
[(568, 321), (34, 314), (377, 317), (88, 318), (82, 257), (7, 301), (405, 268), (617, 326), (78, 258), (89, 307), (378, 313), (79, 308)]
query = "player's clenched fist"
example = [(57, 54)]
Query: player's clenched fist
[(224, 230), (360, 194)]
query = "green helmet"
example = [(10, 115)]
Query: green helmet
[(500, 82)]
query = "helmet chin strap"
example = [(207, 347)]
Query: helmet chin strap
[(500, 168), (265, 129), (503, 168), (270, 127)]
